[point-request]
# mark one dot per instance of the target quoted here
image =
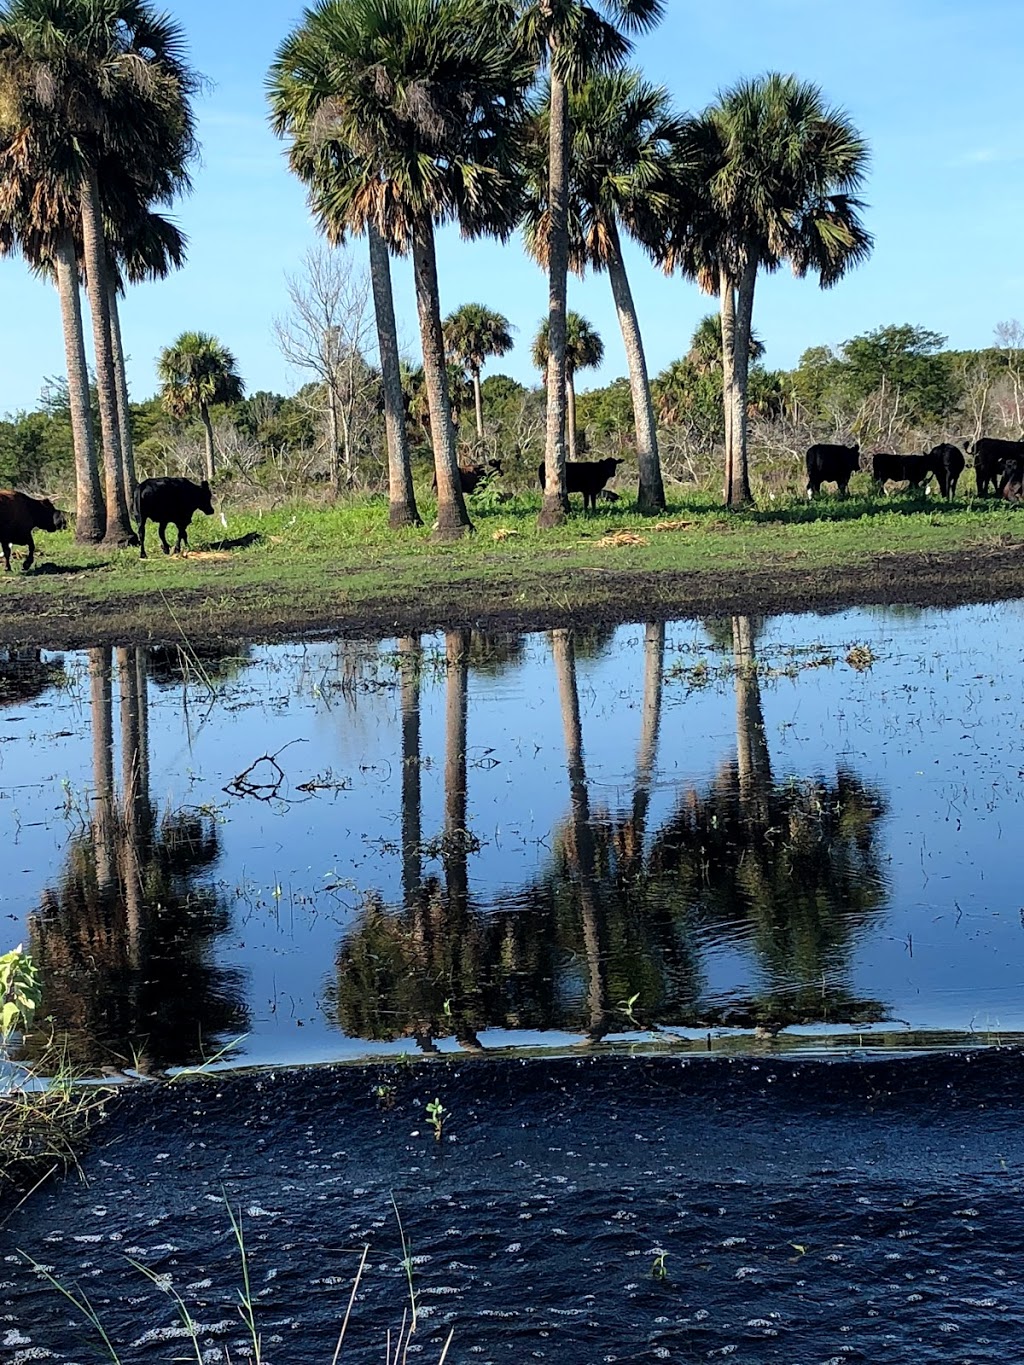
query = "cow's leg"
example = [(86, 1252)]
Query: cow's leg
[(30, 559), (182, 538), (6, 544), (843, 489), (163, 536), (142, 538), (952, 486)]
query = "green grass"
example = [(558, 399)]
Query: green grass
[(302, 565)]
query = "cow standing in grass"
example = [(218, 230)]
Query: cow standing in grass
[(831, 464), (167, 502), (587, 477), (20, 515)]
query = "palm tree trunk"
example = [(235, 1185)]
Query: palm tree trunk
[(555, 505), (570, 412), (728, 311), (119, 528), (452, 517), (124, 415), (651, 497), (204, 413), (478, 400), (741, 370), (401, 495), (332, 437), (582, 837), (90, 514)]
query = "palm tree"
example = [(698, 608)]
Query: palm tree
[(93, 87), (421, 101), (705, 353), (196, 372), (333, 173), (623, 136), (471, 334), (573, 39), (107, 86), (767, 174), (45, 237), (584, 350)]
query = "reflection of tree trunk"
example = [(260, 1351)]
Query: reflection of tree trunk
[(102, 765), (456, 649), (753, 759), (650, 724), (581, 852), (133, 823), (410, 660)]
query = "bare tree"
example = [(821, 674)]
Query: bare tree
[(1010, 341), (327, 332)]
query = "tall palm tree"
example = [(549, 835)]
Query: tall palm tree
[(572, 39), (196, 372), (584, 350), (423, 100), (471, 334), (46, 240), (333, 172), (622, 144), (767, 174), (107, 85)]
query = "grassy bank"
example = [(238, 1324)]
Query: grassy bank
[(305, 568)]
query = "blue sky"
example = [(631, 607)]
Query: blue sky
[(933, 84)]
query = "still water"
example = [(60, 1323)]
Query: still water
[(702, 834)]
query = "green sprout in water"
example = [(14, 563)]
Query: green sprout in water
[(658, 1269), (436, 1116), (626, 1006)]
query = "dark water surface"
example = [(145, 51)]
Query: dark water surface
[(807, 826), (803, 1212)]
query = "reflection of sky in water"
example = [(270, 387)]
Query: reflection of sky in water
[(935, 726)]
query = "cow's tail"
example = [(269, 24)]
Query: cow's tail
[(137, 506)]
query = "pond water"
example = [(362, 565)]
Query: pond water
[(704, 834)]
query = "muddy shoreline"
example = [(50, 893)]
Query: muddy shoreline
[(583, 596), (805, 1211)]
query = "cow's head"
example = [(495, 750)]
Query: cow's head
[(495, 466), (854, 456), (205, 500), (50, 519)]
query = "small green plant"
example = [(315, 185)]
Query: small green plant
[(626, 1006), (437, 1116), (384, 1092), (658, 1269), (19, 993)]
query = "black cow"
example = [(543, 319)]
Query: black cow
[(170, 501), (1011, 485), (886, 467), (20, 515), (587, 477), (474, 476), (831, 464), (917, 469), (991, 458), (947, 464)]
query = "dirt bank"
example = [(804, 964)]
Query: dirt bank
[(67, 619)]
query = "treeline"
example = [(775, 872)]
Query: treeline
[(895, 388)]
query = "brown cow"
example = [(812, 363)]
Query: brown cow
[(20, 515), (474, 476)]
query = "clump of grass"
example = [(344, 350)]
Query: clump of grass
[(397, 1342), (861, 657), (42, 1123)]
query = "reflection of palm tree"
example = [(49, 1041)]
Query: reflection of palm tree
[(410, 655), (650, 725), (580, 840), (797, 860), (26, 675), (123, 938)]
